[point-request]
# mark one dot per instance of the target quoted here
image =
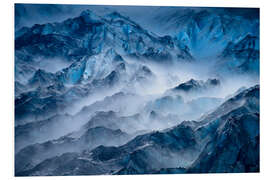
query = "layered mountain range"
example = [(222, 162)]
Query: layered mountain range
[(102, 94)]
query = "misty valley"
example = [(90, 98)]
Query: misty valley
[(104, 91)]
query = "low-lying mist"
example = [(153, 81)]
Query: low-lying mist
[(150, 97)]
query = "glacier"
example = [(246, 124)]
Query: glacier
[(119, 90)]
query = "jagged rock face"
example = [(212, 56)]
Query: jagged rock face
[(242, 56), (91, 34), (74, 142), (46, 94), (230, 151), (193, 87), (216, 145), (101, 94), (203, 29)]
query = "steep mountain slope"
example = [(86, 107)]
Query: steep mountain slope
[(214, 144), (242, 56), (86, 42), (99, 93), (91, 34), (194, 86), (73, 142), (235, 147), (207, 31)]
